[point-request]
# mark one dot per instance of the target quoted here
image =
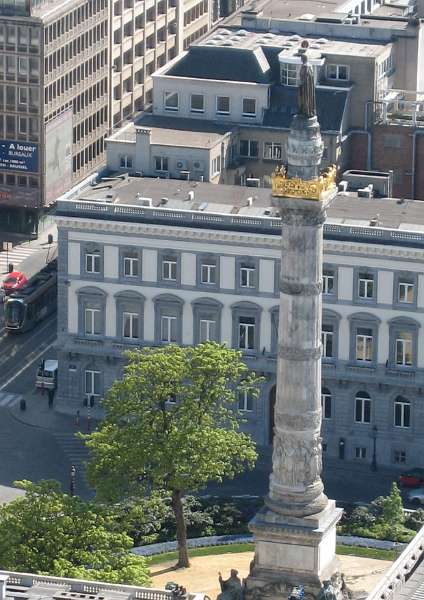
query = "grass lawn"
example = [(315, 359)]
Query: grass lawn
[(249, 547)]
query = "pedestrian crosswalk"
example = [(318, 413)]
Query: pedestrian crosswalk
[(15, 257), (7, 400)]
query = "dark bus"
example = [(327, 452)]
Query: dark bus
[(33, 302)]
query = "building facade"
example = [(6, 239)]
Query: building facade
[(69, 73), (174, 263)]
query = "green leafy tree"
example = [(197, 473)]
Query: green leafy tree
[(393, 507), (52, 533), (171, 424)]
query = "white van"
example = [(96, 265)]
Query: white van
[(46, 378)]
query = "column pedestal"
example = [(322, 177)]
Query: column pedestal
[(293, 551)]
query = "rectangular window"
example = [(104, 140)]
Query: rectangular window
[(326, 405), (247, 276), (197, 103), (161, 163), (364, 344), (171, 101), (223, 105), (249, 107), (246, 333), (328, 282), (131, 266), (365, 286), (208, 274), (327, 341), (289, 74), (126, 162), (168, 329), (404, 349), (360, 453), (169, 269), (23, 95), (245, 401), (399, 457), (92, 263), (402, 413), (249, 148), (93, 321), (130, 325), (362, 410), (340, 72), (406, 292), (272, 151), (207, 330), (92, 383)]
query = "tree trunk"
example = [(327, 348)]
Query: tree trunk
[(177, 507)]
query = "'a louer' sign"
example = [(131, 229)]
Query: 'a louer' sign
[(18, 156)]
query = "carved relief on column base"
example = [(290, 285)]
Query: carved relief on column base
[(302, 502)]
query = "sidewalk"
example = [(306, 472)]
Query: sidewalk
[(30, 257), (38, 414)]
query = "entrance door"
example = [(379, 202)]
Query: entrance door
[(272, 398)]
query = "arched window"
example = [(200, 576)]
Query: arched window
[(402, 412), (362, 408), (326, 403)]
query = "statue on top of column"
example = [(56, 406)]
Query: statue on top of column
[(306, 91)]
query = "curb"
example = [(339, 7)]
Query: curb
[(223, 540)]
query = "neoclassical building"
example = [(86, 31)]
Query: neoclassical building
[(152, 262)]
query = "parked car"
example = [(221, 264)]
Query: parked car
[(416, 496), (14, 282), (412, 478)]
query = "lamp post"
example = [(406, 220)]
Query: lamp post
[(72, 481), (374, 454)]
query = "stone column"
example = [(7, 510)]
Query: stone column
[(295, 485), (295, 532)]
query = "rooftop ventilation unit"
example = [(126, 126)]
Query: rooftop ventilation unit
[(241, 32), (295, 38), (322, 41), (307, 17), (268, 212), (250, 201), (227, 43), (253, 182), (190, 196), (164, 201), (203, 206)]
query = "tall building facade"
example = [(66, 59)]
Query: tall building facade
[(53, 103), (175, 261), (70, 72)]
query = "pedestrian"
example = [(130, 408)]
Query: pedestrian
[(51, 396), (77, 418)]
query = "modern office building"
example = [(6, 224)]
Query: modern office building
[(151, 261), (69, 72)]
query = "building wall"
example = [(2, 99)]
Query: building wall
[(343, 375), (236, 91)]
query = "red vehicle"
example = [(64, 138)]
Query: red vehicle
[(412, 478), (14, 282)]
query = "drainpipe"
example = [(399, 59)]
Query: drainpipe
[(414, 160)]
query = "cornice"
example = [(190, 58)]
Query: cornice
[(237, 238)]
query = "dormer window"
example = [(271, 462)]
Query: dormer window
[(289, 73)]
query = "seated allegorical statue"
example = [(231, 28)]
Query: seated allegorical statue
[(231, 589)]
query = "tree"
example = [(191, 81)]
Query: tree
[(393, 507), (49, 532), (171, 423)]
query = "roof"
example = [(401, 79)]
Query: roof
[(330, 104), (172, 195), (167, 131), (226, 64)]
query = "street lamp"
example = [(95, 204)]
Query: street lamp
[(72, 481), (374, 454)]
